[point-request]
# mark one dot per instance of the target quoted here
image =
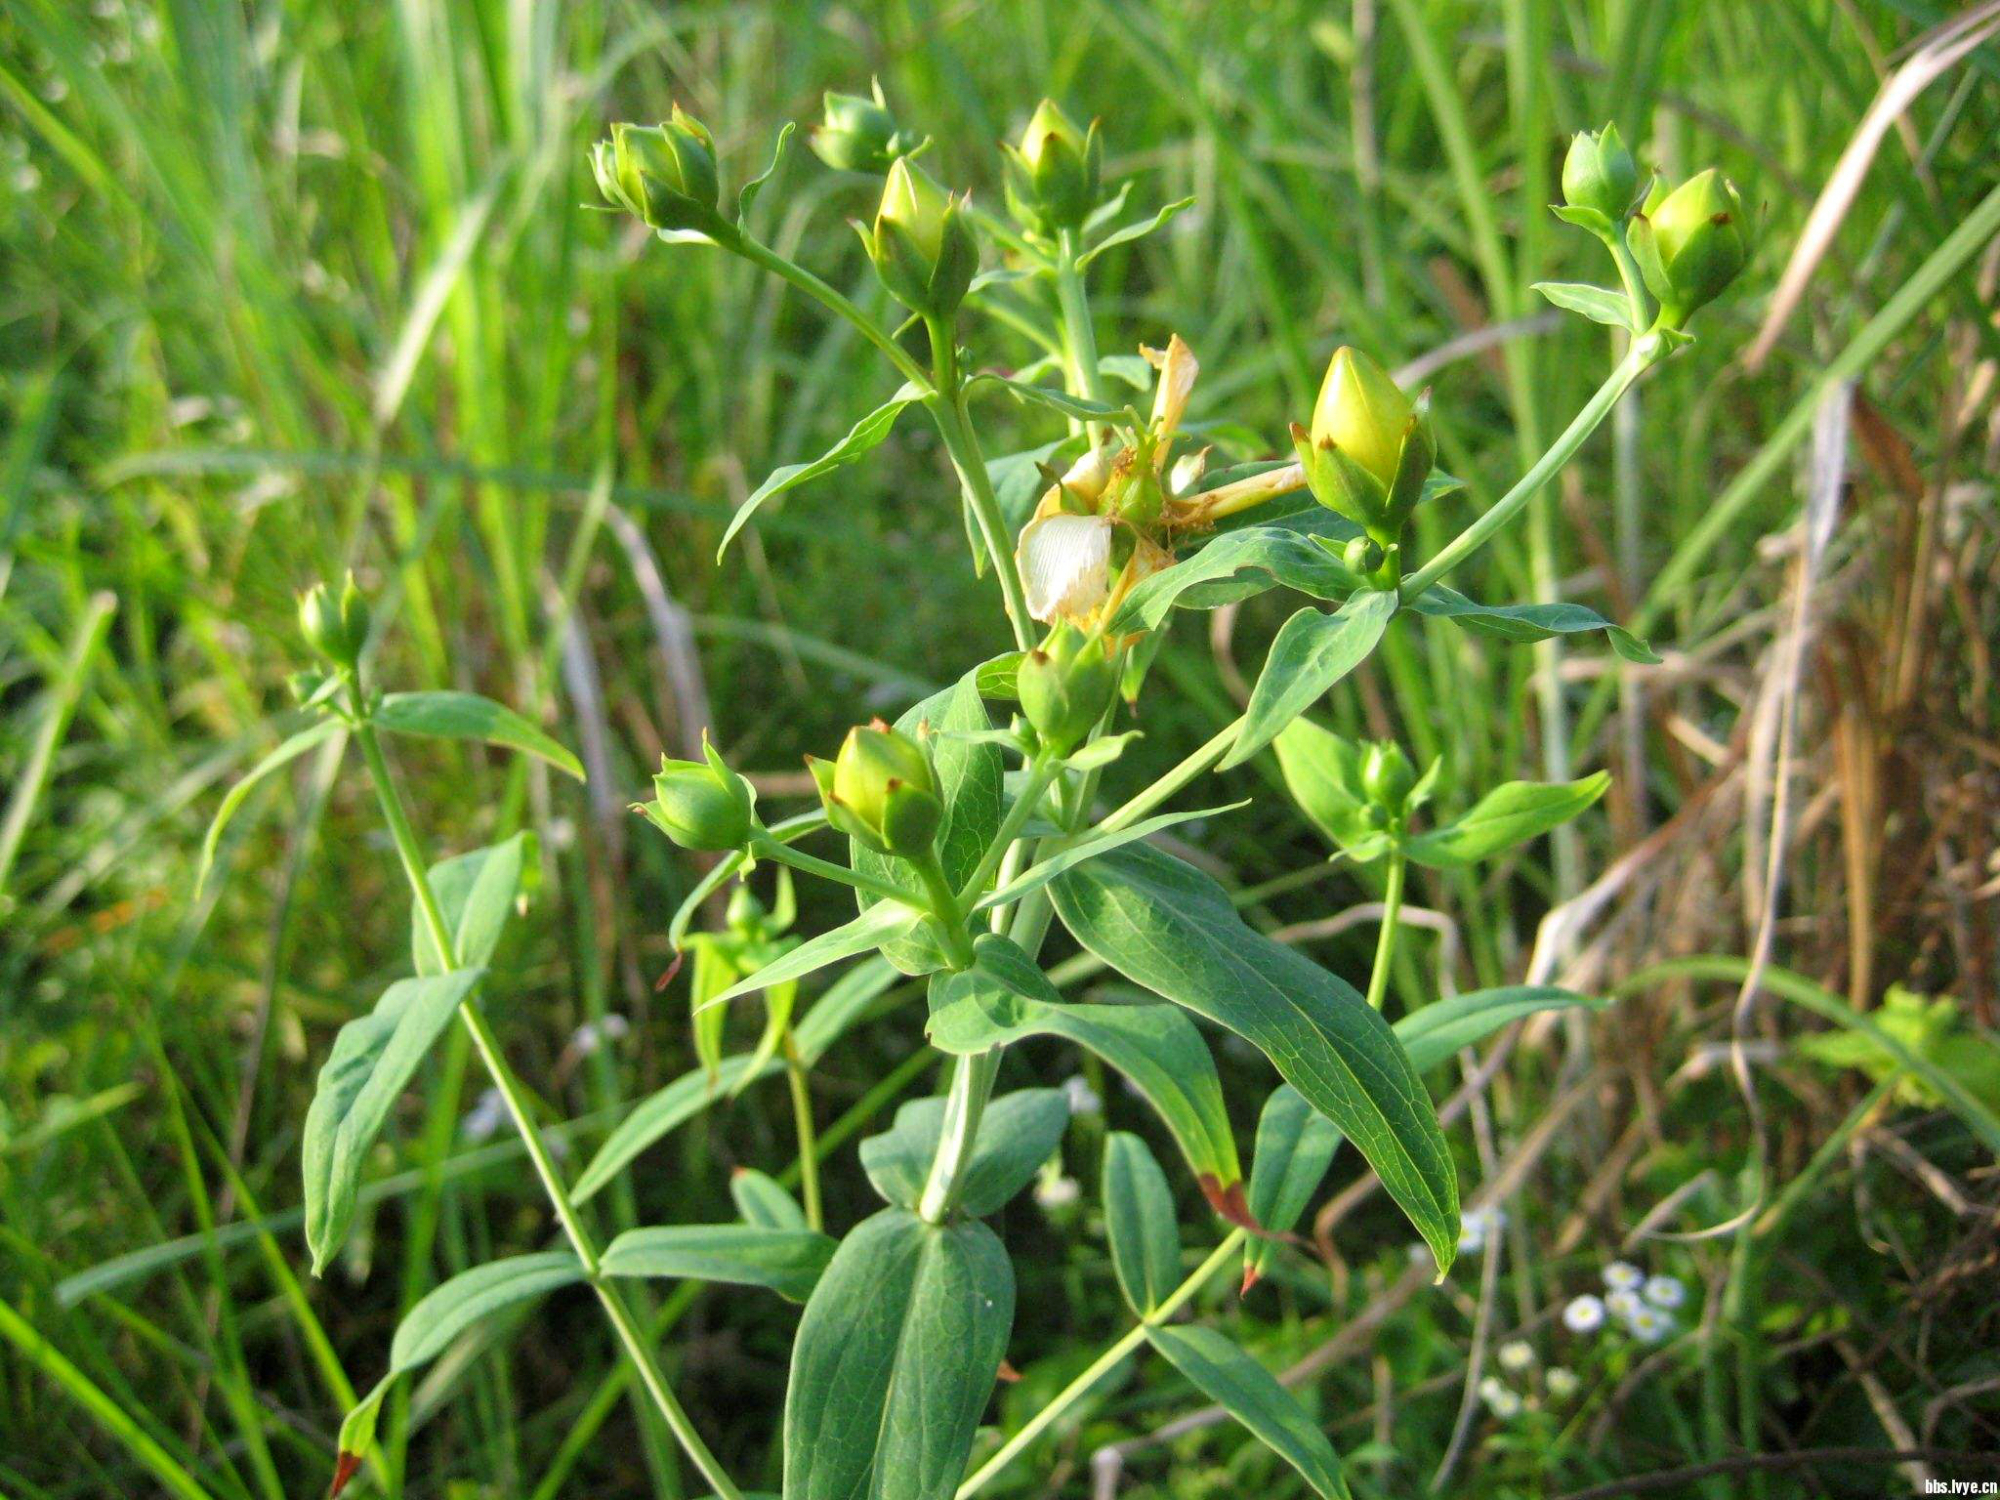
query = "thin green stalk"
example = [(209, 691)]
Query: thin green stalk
[(784, 854), (971, 1087), (802, 1123), (1079, 336), (1078, 1388), (637, 1348), (1385, 943), (761, 254), (1198, 761), (946, 913), (1644, 353), (1041, 771)]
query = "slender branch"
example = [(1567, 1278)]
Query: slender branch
[(1644, 353), (802, 1123), (761, 254), (971, 1087), (1086, 377), (1197, 762), (826, 869), (1041, 771), (1628, 273), (1080, 1387), (1385, 944), (947, 915)]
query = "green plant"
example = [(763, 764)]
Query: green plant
[(967, 840)]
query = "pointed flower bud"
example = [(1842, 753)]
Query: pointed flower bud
[(335, 626), (1065, 685), (858, 134), (663, 174), (921, 245), (880, 790), (1599, 174), (702, 804), (1692, 244), (1369, 448), (1387, 775), (1053, 176)]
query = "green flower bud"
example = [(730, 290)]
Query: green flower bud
[(702, 804), (880, 790), (1387, 775), (859, 135), (1053, 176), (335, 627), (663, 174), (1691, 243), (1599, 174), (1362, 556), (1369, 448), (746, 913), (921, 245), (1065, 685)]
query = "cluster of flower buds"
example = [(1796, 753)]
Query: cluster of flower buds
[(335, 627), (857, 134), (702, 804), (662, 174), (1054, 177), (1065, 686), (921, 242), (1600, 180), (880, 790), (1366, 457)]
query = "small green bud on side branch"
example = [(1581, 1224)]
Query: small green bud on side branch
[(702, 804), (920, 243), (1691, 244), (1065, 686), (1053, 177), (662, 174), (857, 134), (1369, 449), (1599, 175), (336, 627), (881, 790)]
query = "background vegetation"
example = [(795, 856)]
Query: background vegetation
[(291, 284)]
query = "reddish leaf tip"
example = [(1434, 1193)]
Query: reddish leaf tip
[(1007, 1374), (343, 1470)]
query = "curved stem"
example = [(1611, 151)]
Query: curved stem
[(1628, 273), (515, 1098), (1080, 1387), (802, 1123), (1385, 942), (826, 869), (947, 408), (763, 255), (1644, 352), (947, 915), (1086, 377), (1041, 771)]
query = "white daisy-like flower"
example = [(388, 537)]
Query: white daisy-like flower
[(1501, 1401), (1623, 1276), (1584, 1314), (1562, 1382), (1622, 1304), (1057, 1192), (1065, 564), (1665, 1291), (1082, 1097), (484, 1119), (1648, 1324), (1517, 1355)]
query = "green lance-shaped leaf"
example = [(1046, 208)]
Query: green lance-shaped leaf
[(1438, 1030), (1239, 564), (467, 716), (1167, 926), (969, 774), (663, 1111), (1313, 651), (787, 1261), (287, 752), (1295, 1146), (1089, 847), (762, 1201), (1597, 303), (881, 926), (1252, 1395), (1004, 997), (372, 1061), (440, 1317), (862, 438), (1139, 1218), (1322, 771), (1510, 814), (1134, 231), (895, 1360), (1524, 623), (475, 893), (1017, 1133), (1062, 402)]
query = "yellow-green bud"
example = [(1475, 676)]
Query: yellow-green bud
[(1369, 448), (858, 134), (1362, 556), (702, 804), (880, 790), (335, 627), (1387, 775), (1052, 177), (1362, 412), (1065, 685), (920, 244), (1699, 243), (663, 174), (1599, 174)]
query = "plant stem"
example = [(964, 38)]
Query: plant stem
[(1078, 1388), (826, 869), (947, 408), (518, 1110), (1041, 771), (946, 913), (1079, 336), (1385, 943), (1197, 762), (1644, 352), (763, 255), (971, 1087), (802, 1121), (1628, 272)]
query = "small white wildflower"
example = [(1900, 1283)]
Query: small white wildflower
[(1665, 1291), (1562, 1382), (1584, 1314), (1516, 1355), (1649, 1325), (1082, 1097), (591, 1035), (1623, 1276), (1501, 1401), (1057, 1192), (1476, 1226), (488, 1113), (1622, 1304)]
